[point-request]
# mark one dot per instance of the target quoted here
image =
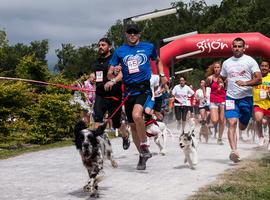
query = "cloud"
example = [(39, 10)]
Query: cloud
[(79, 22)]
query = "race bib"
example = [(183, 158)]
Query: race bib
[(263, 94), (99, 76), (230, 104), (133, 66)]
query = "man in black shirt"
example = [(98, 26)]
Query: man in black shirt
[(107, 101)]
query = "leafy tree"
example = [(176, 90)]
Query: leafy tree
[(40, 49), (31, 68)]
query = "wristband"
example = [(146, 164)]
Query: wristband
[(113, 80), (161, 74)]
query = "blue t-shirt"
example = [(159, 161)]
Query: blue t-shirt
[(135, 61)]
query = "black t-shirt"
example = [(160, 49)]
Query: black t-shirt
[(100, 68)]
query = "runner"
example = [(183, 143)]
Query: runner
[(181, 93), (107, 101), (217, 98), (134, 57), (241, 71), (261, 98)]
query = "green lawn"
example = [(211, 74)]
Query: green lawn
[(250, 180)]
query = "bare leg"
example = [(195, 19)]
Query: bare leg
[(137, 115), (135, 137), (232, 136), (221, 121), (258, 119)]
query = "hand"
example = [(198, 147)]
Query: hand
[(108, 86), (241, 83)]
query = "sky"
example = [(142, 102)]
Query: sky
[(79, 22)]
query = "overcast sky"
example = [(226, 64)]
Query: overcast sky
[(80, 22)]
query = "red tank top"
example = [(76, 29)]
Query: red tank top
[(217, 94)]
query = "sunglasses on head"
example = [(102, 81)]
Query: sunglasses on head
[(239, 46), (132, 31)]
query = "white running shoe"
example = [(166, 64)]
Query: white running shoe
[(261, 141)]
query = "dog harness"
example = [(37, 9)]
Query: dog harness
[(152, 121)]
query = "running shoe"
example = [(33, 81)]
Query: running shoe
[(126, 142), (261, 141), (234, 157), (219, 141), (144, 156)]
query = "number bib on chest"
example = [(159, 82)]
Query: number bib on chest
[(99, 76), (133, 66), (230, 104), (263, 94)]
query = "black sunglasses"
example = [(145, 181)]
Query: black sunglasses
[(239, 46), (131, 31)]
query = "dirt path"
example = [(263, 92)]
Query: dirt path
[(58, 174)]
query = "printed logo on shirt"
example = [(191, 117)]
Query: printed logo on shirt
[(134, 61)]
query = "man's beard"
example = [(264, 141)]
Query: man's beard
[(102, 53)]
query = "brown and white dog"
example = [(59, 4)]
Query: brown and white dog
[(188, 144), (204, 131), (94, 147)]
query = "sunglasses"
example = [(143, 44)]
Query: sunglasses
[(237, 46), (132, 32)]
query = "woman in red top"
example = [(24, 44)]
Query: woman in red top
[(217, 97)]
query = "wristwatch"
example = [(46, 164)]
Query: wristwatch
[(161, 74)]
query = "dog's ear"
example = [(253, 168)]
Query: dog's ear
[(192, 133), (100, 130), (79, 126)]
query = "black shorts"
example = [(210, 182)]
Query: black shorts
[(131, 101), (191, 109), (205, 107), (181, 112), (103, 105)]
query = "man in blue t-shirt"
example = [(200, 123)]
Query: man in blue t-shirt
[(131, 64)]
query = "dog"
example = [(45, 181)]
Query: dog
[(204, 131), (158, 130), (188, 144), (94, 147)]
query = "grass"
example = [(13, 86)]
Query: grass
[(7, 153), (250, 180)]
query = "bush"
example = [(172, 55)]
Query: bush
[(30, 117)]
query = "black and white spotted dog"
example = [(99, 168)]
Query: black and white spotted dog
[(94, 147), (188, 143)]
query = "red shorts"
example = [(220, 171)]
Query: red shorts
[(265, 112)]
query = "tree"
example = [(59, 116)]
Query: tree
[(31, 68)]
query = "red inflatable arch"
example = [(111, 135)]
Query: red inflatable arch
[(213, 45)]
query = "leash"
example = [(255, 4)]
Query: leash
[(116, 110), (46, 83)]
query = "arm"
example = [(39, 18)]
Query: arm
[(113, 79), (256, 80), (163, 78)]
